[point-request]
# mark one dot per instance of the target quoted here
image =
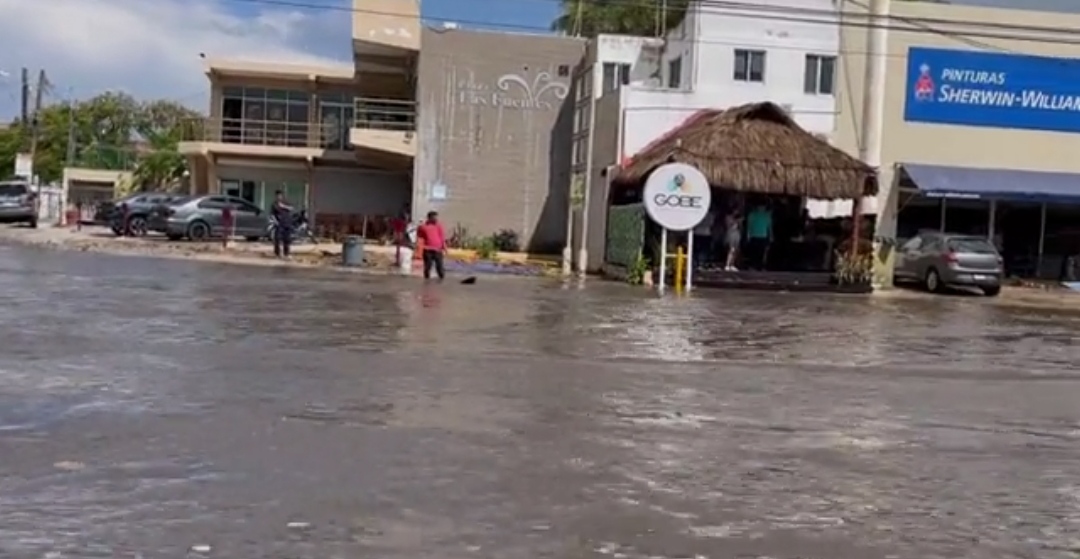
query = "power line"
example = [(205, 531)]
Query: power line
[(918, 25)]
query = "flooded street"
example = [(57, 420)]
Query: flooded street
[(163, 409)]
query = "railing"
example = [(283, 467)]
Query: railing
[(265, 133), (384, 114)]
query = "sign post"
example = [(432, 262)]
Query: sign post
[(677, 198)]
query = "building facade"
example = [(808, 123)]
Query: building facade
[(633, 90), (981, 128), (343, 140), (495, 132)]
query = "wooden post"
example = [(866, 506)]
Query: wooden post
[(856, 229)]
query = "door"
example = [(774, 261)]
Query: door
[(210, 211), (906, 258), (250, 220)]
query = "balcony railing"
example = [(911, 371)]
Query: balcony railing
[(330, 135), (385, 114)]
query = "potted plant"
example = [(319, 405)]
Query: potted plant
[(853, 272)]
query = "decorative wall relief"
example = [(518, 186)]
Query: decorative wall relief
[(513, 91)]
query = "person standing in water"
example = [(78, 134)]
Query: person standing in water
[(434, 237)]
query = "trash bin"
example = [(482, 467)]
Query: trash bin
[(352, 251)]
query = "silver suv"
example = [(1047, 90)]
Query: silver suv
[(18, 203)]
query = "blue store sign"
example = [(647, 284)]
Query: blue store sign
[(993, 89)]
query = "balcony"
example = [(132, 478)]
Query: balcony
[(384, 125), (241, 136)]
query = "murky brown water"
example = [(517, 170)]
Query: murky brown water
[(147, 407)]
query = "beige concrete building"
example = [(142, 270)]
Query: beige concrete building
[(981, 130), (343, 140), (336, 139)]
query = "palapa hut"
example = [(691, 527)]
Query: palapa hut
[(755, 148), (757, 158)]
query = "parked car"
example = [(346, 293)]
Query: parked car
[(138, 206), (941, 260), (18, 203), (199, 218)]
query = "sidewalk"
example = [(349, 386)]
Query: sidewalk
[(95, 239)]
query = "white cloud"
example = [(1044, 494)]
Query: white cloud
[(150, 48)]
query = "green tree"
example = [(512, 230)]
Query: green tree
[(110, 131), (589, 18)]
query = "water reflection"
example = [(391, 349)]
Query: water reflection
[(520, 418)]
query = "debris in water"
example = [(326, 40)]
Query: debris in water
[(298, 525), (201, 548), (69, 465)]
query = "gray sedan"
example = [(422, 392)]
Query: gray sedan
[(199, 218), (940, 260)]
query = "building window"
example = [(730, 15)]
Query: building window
[(579, 150), (819, 76), (564, 70), (674, 78), (585, 80), (749, 65), (615, 75), (337, 111), (273, 117)]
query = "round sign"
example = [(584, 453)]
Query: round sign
[(677, 196)]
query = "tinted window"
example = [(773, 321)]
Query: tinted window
[(971, 245), (214, 203), (13, 189), (912, 244)]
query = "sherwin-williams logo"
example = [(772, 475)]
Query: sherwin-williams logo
[(924, 85)]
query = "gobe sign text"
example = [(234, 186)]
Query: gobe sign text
[(677, 196)]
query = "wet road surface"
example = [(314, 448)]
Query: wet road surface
[(149, 408)]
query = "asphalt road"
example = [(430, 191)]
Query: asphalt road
[(164, 409)]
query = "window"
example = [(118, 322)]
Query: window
[(564, 70), (254, 115), (214, 203), (615, 75), (579, 151), (674, 78), (336, 115), (749, 65), (819, 76)]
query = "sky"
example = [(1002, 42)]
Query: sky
[(150, 48)]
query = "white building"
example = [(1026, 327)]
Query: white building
[(632, 90)]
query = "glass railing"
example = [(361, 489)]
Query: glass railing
[(384, 114), (259, 132)]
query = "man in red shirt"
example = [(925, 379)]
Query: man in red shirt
[(434, 245)]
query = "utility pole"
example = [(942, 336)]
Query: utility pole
[(873, 112), (35, 132), (25, 98)]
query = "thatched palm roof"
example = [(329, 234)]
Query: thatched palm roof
[(755, 148)]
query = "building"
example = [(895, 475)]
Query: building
[(343, 140), (633, 90), (494, 130), (981, 128)]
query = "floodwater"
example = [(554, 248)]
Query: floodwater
[(162, 409)]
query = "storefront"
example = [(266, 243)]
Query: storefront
[(978, 137)]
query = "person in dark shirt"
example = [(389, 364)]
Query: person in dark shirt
[(283, 215)]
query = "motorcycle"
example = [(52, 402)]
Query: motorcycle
[(301, 229)]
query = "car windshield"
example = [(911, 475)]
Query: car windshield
[(971, 245), (177, 201), (10, 189)]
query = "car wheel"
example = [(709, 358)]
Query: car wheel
[(992, 291), (932, 281), (198, 231), (137, 226), (32, 223)]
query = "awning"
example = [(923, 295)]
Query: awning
[(994, 184)]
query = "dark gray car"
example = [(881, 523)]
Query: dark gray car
[(17, 203), (940, 260), (138, 209), (199, 218)]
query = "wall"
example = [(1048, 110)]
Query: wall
[(495, 124), (950, 144), (355, 191), (605, 154), (717, 31)]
